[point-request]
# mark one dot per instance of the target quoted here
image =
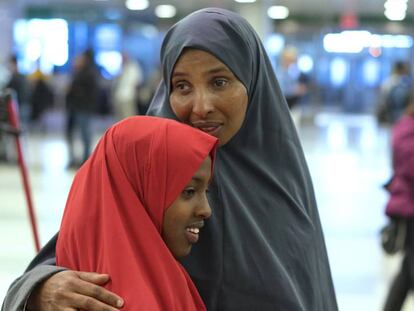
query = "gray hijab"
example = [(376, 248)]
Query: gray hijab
[(263, 249)]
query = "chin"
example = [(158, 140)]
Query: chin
[(182, 253)]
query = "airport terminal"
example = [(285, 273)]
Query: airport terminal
[(71, 69)]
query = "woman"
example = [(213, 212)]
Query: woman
[(263, 249), (401, 202), (136, 206)]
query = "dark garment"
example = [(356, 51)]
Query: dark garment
[(81, 103), (20, 85), (404, 281), (263, 248), (84, 90), (82, 121), (41, 98)]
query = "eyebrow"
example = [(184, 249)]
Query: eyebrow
[(217, 69), (198, 179)]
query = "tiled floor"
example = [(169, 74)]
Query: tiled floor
[(349, 160)]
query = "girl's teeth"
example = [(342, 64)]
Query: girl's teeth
[(194, 230)]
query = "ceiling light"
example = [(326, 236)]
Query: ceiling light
[(165, 11), (400, 5), (137, 4), (278, 12), (245, 1), (395, 15)]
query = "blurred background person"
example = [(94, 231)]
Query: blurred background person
[(41, 98), (292, 81), (394, 93), (81, 103), (124, 93), (401, 202), (19, 83), (147, 89)]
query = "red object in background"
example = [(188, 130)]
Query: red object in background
[(14, 122), (349, 21)]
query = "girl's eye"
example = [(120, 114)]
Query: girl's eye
[(188, 193)]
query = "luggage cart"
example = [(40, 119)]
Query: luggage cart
[(10, 125)]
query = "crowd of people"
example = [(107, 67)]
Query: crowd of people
[(85, 94)]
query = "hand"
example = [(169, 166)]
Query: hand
[(73, 290)]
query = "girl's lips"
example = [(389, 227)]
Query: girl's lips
[(192, 237), (192, 231)]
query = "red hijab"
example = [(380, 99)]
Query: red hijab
[(114, 213)]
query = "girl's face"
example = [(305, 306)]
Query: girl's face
[(207, 95), (185, 217)]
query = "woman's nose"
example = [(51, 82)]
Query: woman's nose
[(202, 104)]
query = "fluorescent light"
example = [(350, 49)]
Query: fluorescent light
[(278, 12), (165, 11), (356, 41), (395, 15), (305, 63), (397, 6), (346, 41), (274, 44), (245, 1), (137, 5), (395, 10)]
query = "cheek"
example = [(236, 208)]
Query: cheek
[(180, 107), (237, 106)]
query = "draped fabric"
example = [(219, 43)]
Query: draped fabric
[(114, 213), (263, 248)]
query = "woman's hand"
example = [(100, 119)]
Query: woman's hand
[(73, 290)]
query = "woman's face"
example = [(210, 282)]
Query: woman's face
[(185, 217), (207, 95)]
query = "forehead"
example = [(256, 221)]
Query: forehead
[(204, 171), (198, 58)]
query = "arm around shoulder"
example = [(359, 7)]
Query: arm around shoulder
[(41, 268)]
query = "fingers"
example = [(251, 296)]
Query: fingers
[(90, 290), (71, 290), (90, 304), (92, 277)]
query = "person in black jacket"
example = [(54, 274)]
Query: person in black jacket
[(81, 101)]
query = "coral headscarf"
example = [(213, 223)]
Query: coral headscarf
[(114, 213)]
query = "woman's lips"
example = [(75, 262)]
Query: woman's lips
[(212, 128)]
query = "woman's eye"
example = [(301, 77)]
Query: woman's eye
[(220, 82), (181, 86)]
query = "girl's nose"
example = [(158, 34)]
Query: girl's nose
[(204, 211)]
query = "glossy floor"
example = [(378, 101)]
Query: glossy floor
[(348, 156)]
